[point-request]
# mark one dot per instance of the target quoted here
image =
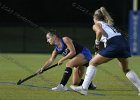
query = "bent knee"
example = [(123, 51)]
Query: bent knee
[(94, 63), (70, 64)]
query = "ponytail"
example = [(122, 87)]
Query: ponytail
[(107, 16)]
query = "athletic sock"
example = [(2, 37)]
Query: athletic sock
[(134, 79), (90, 73), (66, 76)]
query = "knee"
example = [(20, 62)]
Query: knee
[(93, 63), (69, 64)]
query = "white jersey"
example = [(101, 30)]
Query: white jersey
[(108, 33)]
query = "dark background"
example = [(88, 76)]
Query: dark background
[(18, 35)]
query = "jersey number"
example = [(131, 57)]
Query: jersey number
[(65, 52)]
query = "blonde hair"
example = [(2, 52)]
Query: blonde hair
[(102, 14)]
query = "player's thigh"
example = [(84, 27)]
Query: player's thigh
[(98, 59), (78, 60)]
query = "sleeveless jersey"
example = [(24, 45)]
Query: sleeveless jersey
[(64, 50), (117, 45), (109, 31)]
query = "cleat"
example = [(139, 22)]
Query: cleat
[(60, 87), (79, 89), (92, 86)]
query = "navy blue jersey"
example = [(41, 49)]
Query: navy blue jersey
[(64, 50)]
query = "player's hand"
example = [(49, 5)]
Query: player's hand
[(40, 71), (97, 46), (60, 62)]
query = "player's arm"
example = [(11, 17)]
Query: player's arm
[(71, 48), (98, 30), (49, 62), (51, 59)]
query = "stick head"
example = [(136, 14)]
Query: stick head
[(19, 82)]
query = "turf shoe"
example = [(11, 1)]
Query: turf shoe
[(60, 87), (79, 89), (92, 86)]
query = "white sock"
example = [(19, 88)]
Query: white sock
[(90, 73), (134, 79)]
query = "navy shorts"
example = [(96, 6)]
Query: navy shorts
[(86, 52), (117, 47)]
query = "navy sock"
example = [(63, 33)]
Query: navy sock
[(66, 76)]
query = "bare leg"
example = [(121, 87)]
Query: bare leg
[(90, 73), (77, 75), (131, 75), (124, 64), (98, 59), (78, 60), (91, 70)]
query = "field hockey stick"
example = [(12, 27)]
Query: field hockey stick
[(35, 74)]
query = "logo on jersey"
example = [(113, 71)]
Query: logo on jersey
[(66, 51)]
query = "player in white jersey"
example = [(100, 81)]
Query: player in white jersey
[(117, 47)]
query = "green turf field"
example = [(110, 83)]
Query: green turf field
[(110, 80)]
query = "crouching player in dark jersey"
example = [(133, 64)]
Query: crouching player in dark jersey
[(78, 55)]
